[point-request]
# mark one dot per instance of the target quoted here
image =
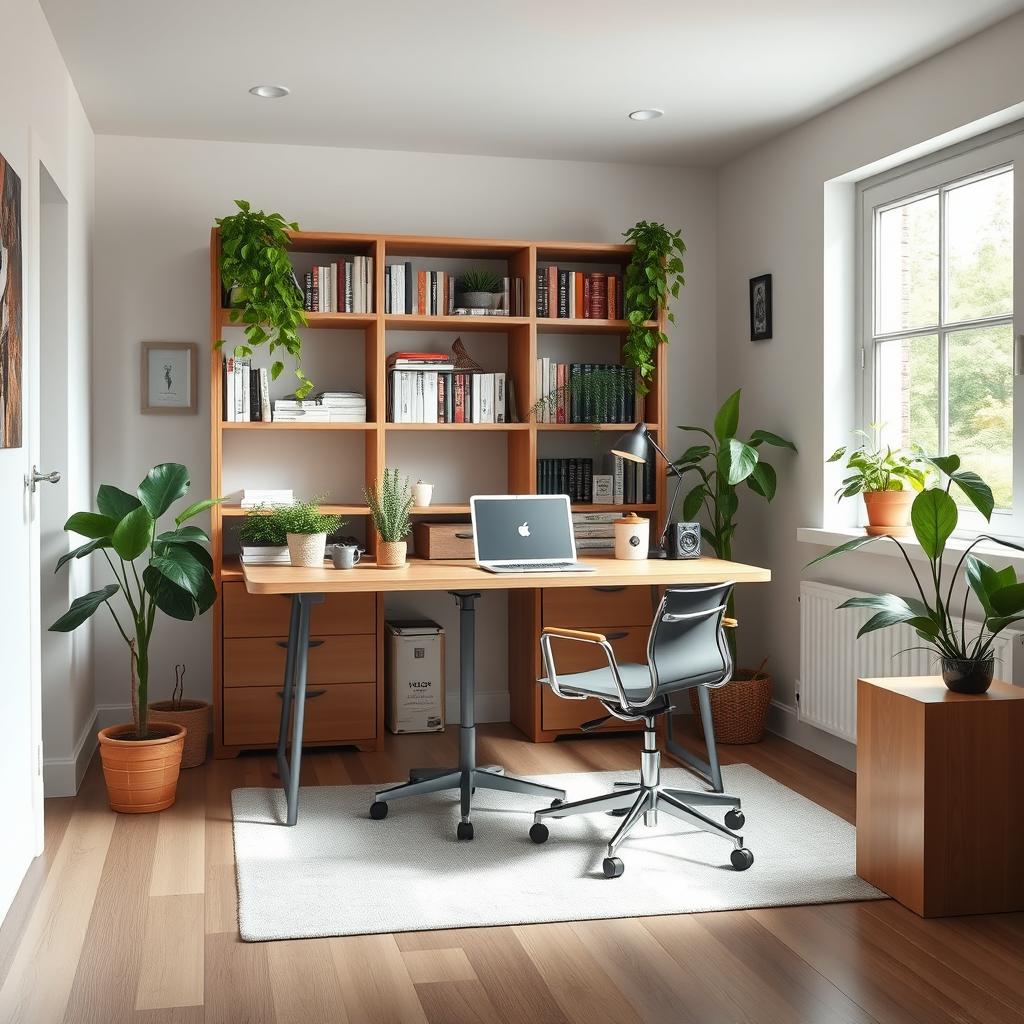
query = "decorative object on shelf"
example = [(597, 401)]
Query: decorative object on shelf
[(390, 504), (346, 556), (761, 307), (140, 760), (479, 289), (683, 540), (194, 715), (654, 272), (632, 536), (740, 709), (463, 360), (169, 376), (254, 258), (967, 660), (602, 488), (10, 307), (882, 475), (422, 493), (305, 528)]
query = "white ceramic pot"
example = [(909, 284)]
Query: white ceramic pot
[(307, 550), (422, 493), (632, 536)]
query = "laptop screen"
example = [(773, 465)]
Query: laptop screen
[(521, 528)]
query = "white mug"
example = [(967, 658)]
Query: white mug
[(422, 493)]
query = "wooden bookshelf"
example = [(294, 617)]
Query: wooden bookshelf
[(235, 617)]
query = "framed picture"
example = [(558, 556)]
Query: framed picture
[(169, 375), (10, 307), (761, 307)]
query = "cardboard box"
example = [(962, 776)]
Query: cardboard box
[(443, 540), (414, 676)]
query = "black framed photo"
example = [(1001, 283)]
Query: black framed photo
[(761, 307)]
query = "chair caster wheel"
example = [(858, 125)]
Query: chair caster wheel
[(734, 819), (557, 802), (378, 810), (741, 858), (465, 830), (613, 867), (539, 833)]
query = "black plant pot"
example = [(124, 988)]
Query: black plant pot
[(968, 676)]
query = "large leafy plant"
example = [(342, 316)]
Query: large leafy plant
[(873, 467), (170, 571), (931, 614), (254, 259), (654, 272)]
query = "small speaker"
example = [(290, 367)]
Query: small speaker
[(683, 540)]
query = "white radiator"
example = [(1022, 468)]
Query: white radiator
[(832, 658)]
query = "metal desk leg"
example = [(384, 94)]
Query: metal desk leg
[(709, 769)]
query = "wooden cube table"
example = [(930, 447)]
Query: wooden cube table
[(940, 795)]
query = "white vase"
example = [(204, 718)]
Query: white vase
[(422, 493), (307, 550)]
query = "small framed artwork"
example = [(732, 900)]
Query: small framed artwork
[(169, 376), (761, 307)]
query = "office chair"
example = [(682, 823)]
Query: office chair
[(686, 648)]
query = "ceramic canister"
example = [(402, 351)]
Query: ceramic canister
[(632, 536)]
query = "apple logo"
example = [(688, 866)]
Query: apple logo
[(524, 530)]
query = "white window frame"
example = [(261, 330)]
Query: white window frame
[(935, 175)]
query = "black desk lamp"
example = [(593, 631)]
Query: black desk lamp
[(633, 448)]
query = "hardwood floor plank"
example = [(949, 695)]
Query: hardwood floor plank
[(426, 965), (375, 983), (237, 983), (304, 984), (457, 1002), (179, 865), (173, 1015), (172, 969)]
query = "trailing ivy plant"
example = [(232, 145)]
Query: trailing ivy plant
[(254, 260), (597, 394), (654, 272)]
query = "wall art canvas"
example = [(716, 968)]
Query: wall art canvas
[(169, 376), (761, 307), (10, 307)]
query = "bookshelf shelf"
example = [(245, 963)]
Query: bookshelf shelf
[(610, 428), (231, 511), (454, 324), (456, 427), (322, 321), (225, 425), (561, 325)]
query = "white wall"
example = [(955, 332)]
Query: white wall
[(771, 218), (156, 201), (41, 120)]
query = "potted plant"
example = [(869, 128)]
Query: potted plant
[(169, 572), (193, 715), (389, 504), (967, 660), (479, 288), (720, 465), (888, 478), (262, 536), (256, 272), (305, 529)]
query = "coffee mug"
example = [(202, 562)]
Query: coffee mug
[(422, 493), (346, 556)]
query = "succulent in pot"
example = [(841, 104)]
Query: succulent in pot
[(390, 503), (479, 288)]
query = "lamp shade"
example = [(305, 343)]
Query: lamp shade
[(633, 446)]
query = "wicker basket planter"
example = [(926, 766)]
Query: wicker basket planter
[(738, 709), (391, 554), (194, 715), (307, 550), (141, 775)]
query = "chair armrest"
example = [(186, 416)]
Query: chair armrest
[(575, 634), (729, 623), (548, 633)]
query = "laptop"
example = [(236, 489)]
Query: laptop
[(524, 533)]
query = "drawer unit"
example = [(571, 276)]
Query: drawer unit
[(259, 615), (334, 714), (581, 607), (259, 661)]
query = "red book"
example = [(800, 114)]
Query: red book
[(421, 292), (460, 398), (612, 306), (598, 297), (578, 311), (432, 357), (560, 385)]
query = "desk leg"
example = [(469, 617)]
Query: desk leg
[(709, 769)]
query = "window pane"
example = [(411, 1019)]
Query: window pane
[(907, 372), (979, 248), (907, 258), (980, 366)]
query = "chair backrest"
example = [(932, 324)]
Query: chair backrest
[(686, 644)]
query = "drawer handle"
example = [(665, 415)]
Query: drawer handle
[(608, 590), (310, 694), (283, 644), (464, 536), (616, 636)]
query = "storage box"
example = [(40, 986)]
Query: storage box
[(414, 676), (443, 540)]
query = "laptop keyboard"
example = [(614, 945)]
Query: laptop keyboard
[(535, 566)]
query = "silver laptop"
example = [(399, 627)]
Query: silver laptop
[(524, 533)]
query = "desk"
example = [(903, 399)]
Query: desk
[(465, 581)]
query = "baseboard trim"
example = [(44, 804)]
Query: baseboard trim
[(113, 714), (784, 721), (62, 776)]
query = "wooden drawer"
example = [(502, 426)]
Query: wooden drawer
[(259, 661), (584, 607), (569, 715), (340, 714), (248, 614)]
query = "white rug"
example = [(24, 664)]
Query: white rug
[(337, 872)]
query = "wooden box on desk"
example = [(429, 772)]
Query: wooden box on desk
[(940, 805), (443, 540)]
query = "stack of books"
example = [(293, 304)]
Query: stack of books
[(574, 477), (594, 531), (245, 391), (424, 387), (632, 482), (341, 287), (433, 293), (326, 407), (266, 555), (572, 295), (253, 498), (566, 395)]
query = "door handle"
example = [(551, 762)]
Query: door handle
[(608, 590), (621, 635), (310, 694), (312, 643), (35, 477)]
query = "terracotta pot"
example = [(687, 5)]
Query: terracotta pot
[(141, 775), (888, 512), (738, 709), (391, 554), (194, 715), (307, 550)]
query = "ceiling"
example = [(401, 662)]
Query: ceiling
[(547, 78)]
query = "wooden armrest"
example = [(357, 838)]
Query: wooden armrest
[(575, 634), (730, 623)]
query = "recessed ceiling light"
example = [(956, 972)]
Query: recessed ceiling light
[(648, 114), (275, 92)]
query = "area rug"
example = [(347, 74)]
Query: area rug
[(338, 872)]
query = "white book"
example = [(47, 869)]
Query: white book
[(475, 378), (357, 284), (417, 397), (486, 397), (348, 287), (239, 392), (541, 411), (580, 518), (499, 398), (549, 415), (618, 472), (369, 284), (246, 390), (334, 287), (407, 396), (264, 395), (429, 396), (595, 543), (229, 388)]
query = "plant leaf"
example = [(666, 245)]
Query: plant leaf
[(80, 552), (692, 503), (184, 535), (977, 491), (741, 460), (727, 420), (164, 485), (181, 568), (766, 436), (169, 598), (850, 545), (195, 509), (133, 533), (1008, 600), (763, 480), (83, 608), (114, 502), (947, 464), (90, 524), (934, 517)]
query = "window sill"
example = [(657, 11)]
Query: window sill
[(955, 546)]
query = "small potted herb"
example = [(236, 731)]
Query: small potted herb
[(478, 288), (390, 503), (887, 477), (305, 529), (262, 537)]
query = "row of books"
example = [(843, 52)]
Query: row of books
[(572, 295), (623, 482), (585, 392), (574, 477), (426, 396), (341, 287), (594, 531), (246, 391), (435, 293), (326, 407), (253, 497)]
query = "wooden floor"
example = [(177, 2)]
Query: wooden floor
[(132, 918)]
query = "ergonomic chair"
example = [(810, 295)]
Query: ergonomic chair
[(686, 648)]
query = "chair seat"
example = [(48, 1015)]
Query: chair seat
[(636, 679)]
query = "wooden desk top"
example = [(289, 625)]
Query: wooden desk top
[(932, 690), (438, 574)]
